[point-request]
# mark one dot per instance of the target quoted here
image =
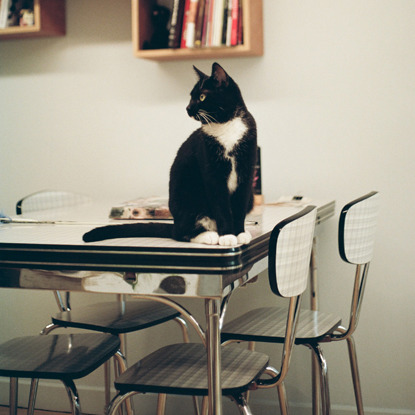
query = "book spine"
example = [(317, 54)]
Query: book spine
[(199, 23), (240, 24), (205, 23), (191, 23), (218, 23), (209, 28), (234, 29), (176, 24), (225, 21), (185, 23), (4, 12)]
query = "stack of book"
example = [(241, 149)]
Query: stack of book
[(205, 23)]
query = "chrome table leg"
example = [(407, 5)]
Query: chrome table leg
[(212, 310)]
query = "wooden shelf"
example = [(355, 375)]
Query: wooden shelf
[(253, 35), (49, 21)]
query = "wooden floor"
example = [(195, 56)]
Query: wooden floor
[(4, 410)]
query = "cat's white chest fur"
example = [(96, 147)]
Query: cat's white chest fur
[(228, 134)]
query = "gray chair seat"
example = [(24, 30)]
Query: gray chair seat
[(267, 324), (182, 369), (63, 357)]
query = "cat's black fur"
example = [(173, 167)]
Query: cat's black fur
[(207, 205)]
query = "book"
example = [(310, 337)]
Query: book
[(234, 24), (184, 24), (205, 23), (191, 23), (142, 209), (217, 22), (199, 23), (225, 21), (209, 23), (4, 12), (176, 23), (240, 38)]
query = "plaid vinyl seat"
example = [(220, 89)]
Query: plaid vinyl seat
[(63, 357), (267, 324), (182, 369)]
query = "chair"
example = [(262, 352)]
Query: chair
[(182, 368), (64, 357), (116, 317), (356, 240)]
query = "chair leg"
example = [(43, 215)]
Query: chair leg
[(205, 405), (355, 375), (120, 363), (107, 382), (196, 405), (282, 397), (185, 332), (32, 396), (73, 397), (242, 405), (14, 386), (161, 403), (324, 385), (315, 382), (117, 401)]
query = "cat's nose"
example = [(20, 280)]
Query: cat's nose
[(189, 110)]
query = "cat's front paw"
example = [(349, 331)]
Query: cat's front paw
[(244, 238), (207, 238), (228, 240)]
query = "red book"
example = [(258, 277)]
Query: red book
[(185, 21), (235, 15), (240, 25)]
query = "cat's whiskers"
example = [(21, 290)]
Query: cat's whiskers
[(207, 117), (203, 116)]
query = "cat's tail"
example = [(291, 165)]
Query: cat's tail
[(130, 230)]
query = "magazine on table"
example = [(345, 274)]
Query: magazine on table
[(142, 209)]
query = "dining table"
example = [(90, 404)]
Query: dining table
[(44, 250)]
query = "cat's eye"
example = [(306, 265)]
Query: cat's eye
[(202, 97)]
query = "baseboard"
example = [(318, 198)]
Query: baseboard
[(52, 396)]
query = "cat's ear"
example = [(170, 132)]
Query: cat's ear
[(199, 73), (219, 75)]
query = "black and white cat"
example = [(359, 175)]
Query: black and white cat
[(210, 188)]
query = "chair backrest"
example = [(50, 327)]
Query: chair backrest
[(289, 253), (288, 266), (49, 199), (357, 228)]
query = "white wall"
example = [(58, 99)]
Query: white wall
[(334, 99)]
